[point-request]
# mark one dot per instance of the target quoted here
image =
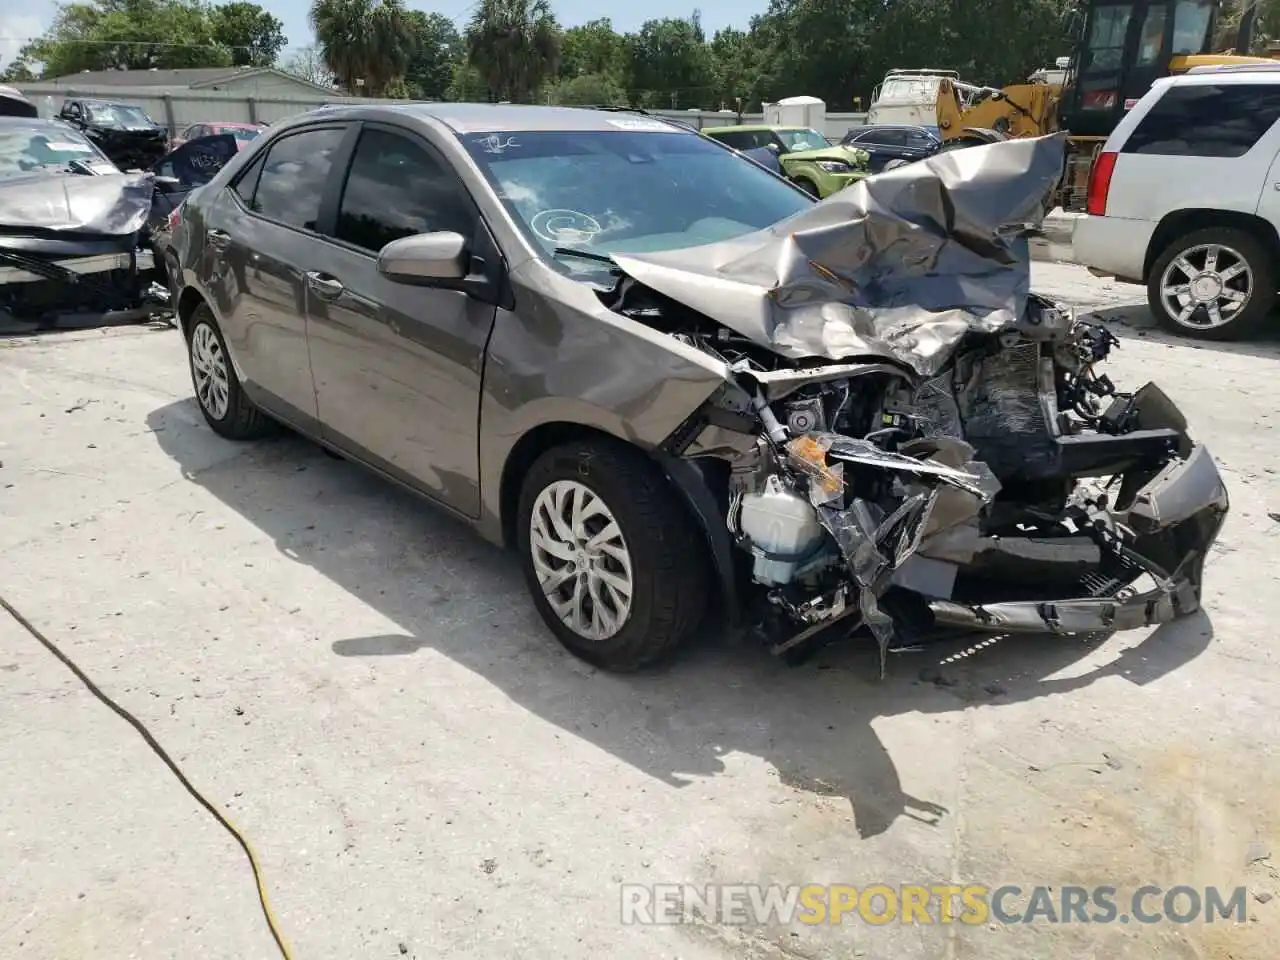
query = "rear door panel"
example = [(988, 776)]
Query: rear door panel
[(259, 248)]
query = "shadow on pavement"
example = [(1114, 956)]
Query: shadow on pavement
[(448, 590)]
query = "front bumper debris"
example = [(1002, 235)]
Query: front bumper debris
[(1177, 516)]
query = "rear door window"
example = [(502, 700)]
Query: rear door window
[(395, 188), (1207, 120), (294, 173)]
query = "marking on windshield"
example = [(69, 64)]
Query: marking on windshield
[(495, 144)]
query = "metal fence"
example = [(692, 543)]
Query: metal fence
[(179, 109)]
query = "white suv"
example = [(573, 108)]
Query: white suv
[(1185, 197)]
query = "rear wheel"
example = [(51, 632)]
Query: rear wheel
[(1217, 283), (614, 564), (222, 400)]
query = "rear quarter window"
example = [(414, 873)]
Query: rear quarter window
[(1206, 120)]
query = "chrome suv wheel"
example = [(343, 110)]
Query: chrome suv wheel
[(1217, 283)]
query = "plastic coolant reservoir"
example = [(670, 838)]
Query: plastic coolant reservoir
[(784, 529)]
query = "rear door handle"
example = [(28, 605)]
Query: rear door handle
[(324, 286), (218, 239)]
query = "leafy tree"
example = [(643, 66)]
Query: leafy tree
[(671, 64), (437, 49), (467, 86), (514, 45), (127, 35), (253, 36), (307, 64), (588, 89), (594, 48), (366, 44)]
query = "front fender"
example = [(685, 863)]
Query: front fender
[(566, 360)]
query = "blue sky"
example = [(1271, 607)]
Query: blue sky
[(21, 19)]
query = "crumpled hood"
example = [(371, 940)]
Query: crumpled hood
[(850, 155), (114, 204), (900, 265)]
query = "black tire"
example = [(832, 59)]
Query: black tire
[(669, 568), (1256, 311), (808, 186), (241, 420)]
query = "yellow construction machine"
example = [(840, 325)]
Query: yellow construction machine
[(1121, 47)]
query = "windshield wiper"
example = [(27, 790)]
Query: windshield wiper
[(585, 255)]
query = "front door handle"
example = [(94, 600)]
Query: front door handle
[(218, 239), (324, 286)]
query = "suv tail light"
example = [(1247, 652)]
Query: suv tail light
[(1100, 184)]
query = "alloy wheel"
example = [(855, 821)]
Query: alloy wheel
[(581, 559), (209, 370), (1206, 286)]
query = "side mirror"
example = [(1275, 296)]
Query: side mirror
[(168, 184), (775, 148), (425, 257)]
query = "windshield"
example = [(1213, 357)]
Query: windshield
[(921, 90), (23, 149), (803, 139), (1192, 22), (628, 191), (243, 134), (118, 115)]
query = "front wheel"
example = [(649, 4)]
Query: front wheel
[(614, 563), (1218, 283)]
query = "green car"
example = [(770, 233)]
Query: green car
[(807, 159)]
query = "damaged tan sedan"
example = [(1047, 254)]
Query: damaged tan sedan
[(677, 385)]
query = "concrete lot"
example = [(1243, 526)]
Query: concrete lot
[(363, 686)]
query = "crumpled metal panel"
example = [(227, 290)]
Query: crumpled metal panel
[(113, 205), (899, 265)]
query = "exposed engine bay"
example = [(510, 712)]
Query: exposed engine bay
[(948, 476)]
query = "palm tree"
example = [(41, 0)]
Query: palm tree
[(364, 40), (515, 45)]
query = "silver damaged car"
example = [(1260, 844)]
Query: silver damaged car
[(678, 386)]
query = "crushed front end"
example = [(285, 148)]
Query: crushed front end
[(955, 463), (1014, 491), (77, 244)]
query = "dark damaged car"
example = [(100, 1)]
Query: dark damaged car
[(123, 131), (674, 382), (78, 238)]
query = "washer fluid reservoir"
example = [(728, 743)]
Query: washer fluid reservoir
[(784, 530)]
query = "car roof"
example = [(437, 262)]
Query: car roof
[(506, 117), (1225, 73), (889, 126)]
